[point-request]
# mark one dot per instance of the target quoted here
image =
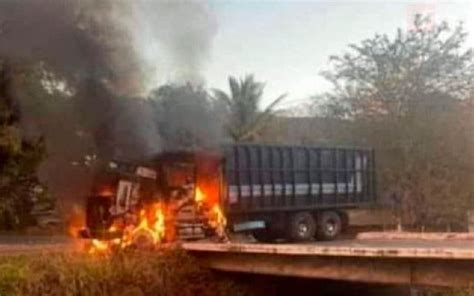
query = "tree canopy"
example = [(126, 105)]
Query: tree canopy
[(243, 106), (385, 75), (19, 160), (410, 98)]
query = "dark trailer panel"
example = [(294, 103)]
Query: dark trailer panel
[(268, 178)]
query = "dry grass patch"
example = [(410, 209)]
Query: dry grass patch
[(168, 272)]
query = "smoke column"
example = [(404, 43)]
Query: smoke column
[(175, 37), (98, 55), (86, 45), (83, 48)]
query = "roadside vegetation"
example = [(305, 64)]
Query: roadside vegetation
[(444, 292), (19, 158), (409, 95), (242, 108), (169, 272)]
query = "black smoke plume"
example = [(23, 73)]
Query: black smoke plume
[(79, 73)]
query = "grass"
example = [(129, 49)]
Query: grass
[(166, 272), (445, 292), (169, 272)]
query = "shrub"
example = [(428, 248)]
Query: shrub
[(168, 272)]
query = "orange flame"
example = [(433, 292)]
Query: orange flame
[(150, 226), (215, 215), (155, 227), (218, 220), (149, 229), (98, 246), (77, 220), (199, 196), (106, 192)]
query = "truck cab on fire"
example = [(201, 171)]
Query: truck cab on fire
[(122, 191)]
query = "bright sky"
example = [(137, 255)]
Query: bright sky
[(287, 43)]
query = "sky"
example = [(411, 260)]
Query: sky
[(286, 43)]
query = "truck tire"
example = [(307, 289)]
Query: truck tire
[(329, 225), (264, 236), (302, 227)]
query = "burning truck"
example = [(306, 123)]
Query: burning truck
[(291, 192)]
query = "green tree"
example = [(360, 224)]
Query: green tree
[(245, 118), (385, 76), (19, 160), (408, 98)]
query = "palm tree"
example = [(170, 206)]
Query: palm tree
[(245, 118)]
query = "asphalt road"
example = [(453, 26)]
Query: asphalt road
[(32, 239), (19, 244), (22, 244), (406, 248), (402, 244)]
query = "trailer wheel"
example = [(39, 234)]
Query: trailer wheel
[(302, 227), (264, 236), (329, 225)]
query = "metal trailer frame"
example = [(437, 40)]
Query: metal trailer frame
[(275, 178)]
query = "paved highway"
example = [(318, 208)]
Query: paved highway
[(21, 244), (450, 249), (408, 248)]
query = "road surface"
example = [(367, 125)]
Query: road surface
[(450, 249), (21, 244), (408, 248)]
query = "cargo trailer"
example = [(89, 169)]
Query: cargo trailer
[(274, 192), (296, 192)]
